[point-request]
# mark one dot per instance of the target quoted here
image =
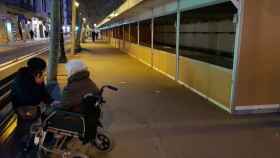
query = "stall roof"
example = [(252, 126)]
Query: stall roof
[(154, 8)]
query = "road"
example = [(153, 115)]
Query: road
[(13, 51), (17, 51)]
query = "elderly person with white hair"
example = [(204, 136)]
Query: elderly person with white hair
[(79, 84)]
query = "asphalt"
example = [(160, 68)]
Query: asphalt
[(18, 49), (152, 116), (13, 51)]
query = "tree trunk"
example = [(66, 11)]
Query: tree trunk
[(78, 38), (84, 32), (62, 56), (54, 42), (74, 21)]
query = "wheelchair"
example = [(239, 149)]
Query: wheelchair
[(61, 126)]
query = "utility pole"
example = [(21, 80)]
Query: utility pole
[(62, 56), (84, 31), (74, 21), (54, 42), (78, 38), (178, 23)]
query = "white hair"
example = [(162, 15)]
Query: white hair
[(74, 66)]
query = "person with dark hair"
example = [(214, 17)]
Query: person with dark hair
[(93, 36), (31, 34), (28, 91)]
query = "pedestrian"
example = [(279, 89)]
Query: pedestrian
[(31, 34), (20, 31), (28, 91), (93, 36), (46, 34), (96, 35)]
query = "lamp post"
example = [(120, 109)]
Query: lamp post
[(75, 5), (83, 30), (79, 30)]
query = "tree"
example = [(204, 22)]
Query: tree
[(54, 42), (78, 38), (74, 21), (62, 56), (84, 31)]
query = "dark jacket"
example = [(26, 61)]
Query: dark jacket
[(78, 85), (26, 92)]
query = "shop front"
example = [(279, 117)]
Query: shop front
[(40, 28), (3, 30), (6, 31)]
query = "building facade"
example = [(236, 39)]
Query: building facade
[(20, 17), (67, 15)]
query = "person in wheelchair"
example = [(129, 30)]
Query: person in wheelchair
[(78, 85), (78, 115), (77, 96)]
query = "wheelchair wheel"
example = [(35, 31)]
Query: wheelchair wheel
[(103, 142)]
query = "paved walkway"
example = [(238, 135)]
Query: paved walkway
[(154, 117)]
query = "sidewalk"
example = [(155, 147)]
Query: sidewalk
[(152, 116)]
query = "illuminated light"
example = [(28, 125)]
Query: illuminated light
[(77, 28), (114, 14), (84, 19), (68, 28), (35, 22), (77, 4), (9, 27)]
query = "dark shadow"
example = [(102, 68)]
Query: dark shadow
[(85, 50)]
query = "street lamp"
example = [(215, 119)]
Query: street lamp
[(77, 4)]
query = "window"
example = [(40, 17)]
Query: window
[(165, 33), (44, 6), (208, 34), (133, 33), (120, 32), (126, 32), (145, 33)]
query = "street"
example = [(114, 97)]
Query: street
[(12, 52)]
